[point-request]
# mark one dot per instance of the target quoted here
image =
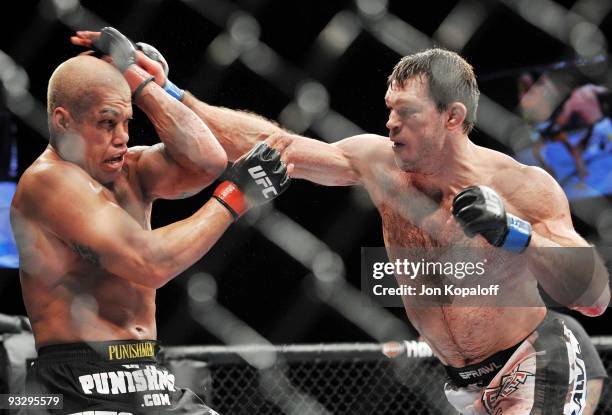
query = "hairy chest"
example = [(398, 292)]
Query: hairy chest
[(415, 215)]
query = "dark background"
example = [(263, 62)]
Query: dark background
[(256, 280)]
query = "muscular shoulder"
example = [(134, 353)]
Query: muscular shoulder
[(52, 181), (365, 145), (368, 150), (49, 175), (532, 191)]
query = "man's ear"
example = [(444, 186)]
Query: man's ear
[(456, 115), (61, 119)]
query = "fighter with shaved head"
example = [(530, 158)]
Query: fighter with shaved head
[(90, 262)]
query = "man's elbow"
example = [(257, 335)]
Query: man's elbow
[(142, 265), (141, 273), (137, 270), (212, 162), (218, 163), (591, 311), (152, 276), (598, 307)]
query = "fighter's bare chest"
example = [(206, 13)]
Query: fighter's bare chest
[(415, 215), (398, 231)]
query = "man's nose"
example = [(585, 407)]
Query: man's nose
[(121, 136), (393, 124)]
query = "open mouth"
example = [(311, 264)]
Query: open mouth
[(394, 140), (115, 161)]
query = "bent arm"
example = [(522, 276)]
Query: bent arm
[(568, 268), (189, 157), (106, 236), (339, 164)]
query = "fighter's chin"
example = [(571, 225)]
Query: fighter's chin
[(109, 172), (105, 177), (405, 164)]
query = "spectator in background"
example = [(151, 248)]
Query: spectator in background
[(572, 140), (572, 134)]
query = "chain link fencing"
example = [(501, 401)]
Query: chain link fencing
[(340, 379)]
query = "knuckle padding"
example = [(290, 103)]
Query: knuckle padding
[(464, 201), (468, 213)]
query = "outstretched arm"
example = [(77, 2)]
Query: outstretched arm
[(344, 163), (339, 164), (237, 131)]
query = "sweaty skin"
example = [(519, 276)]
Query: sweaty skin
[(412, 177), (90, 263)]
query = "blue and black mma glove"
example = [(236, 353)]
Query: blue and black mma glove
[(480, 211), (152, 53)]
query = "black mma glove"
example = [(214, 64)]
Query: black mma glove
[(479, 210), (114, 44), (255, 179)]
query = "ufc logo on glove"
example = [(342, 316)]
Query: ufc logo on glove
[(262, 166), (262, 179)]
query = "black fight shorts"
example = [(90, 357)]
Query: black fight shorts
[(109, 378)]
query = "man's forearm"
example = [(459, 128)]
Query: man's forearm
[(574, 276), (316, 161), (187, 139), (172, 249), (237, 131)]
